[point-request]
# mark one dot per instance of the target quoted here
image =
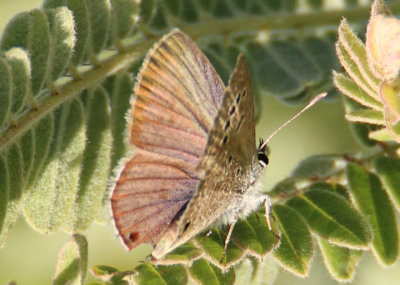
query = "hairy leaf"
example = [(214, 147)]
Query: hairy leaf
[(72, 262), (375, 204), (295, 250)]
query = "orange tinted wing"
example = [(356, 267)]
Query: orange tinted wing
[(177, 96)]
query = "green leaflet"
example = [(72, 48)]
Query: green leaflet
[(187, 11), (276, 82), (28, 148), (366, 116), (99, 25), (80, 13), (72, 262), (42, 134), (294, 59), (120, 92), (295, 250), (152, 14), (341, 262), (119, 89), (382, 135), (257, 272), (253, 235), (95, 164), (112, 275), (364, 134), (149, 274), (33, 34), (15, 167), (352, 90), (388, 169), (173, 275), (206, 273), (201, 271), (184, 254), (332, 217), (54, 191), (352, 55), (360, 130), (318, 166), (250, 236), (213, 247), (20, 66), (121, 15), (62, 30), (374, 203), (5, 91), (4, 188), (103, 272), (366, 84)]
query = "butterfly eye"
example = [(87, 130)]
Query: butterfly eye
[(262, 159)]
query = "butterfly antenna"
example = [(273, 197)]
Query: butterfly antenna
[(310, 104)]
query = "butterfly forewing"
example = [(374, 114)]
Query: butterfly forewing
[(177, 97), (229, 153), (234, 129)]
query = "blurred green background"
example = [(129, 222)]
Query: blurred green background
[(30, 258)]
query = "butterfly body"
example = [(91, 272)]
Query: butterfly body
[(245, 203), (195, 163), (233, 201)]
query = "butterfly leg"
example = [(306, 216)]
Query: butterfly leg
[(267, 206), (227, 239), (269, 215)]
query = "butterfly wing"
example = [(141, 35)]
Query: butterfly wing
[(176, 100), (234, 128), (223, 167)]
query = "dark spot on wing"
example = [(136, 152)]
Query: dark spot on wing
[(224, 140), (186, 226), (228, 123), (244, 93), (232, 110), (134, 236), (238, 98)]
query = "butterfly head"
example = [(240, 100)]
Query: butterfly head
[(262, 154)]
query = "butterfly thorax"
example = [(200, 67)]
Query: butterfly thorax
[(249, 195)]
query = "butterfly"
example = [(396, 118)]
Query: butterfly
[(195, 162)]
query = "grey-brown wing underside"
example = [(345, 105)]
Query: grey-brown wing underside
[(225, 162)]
